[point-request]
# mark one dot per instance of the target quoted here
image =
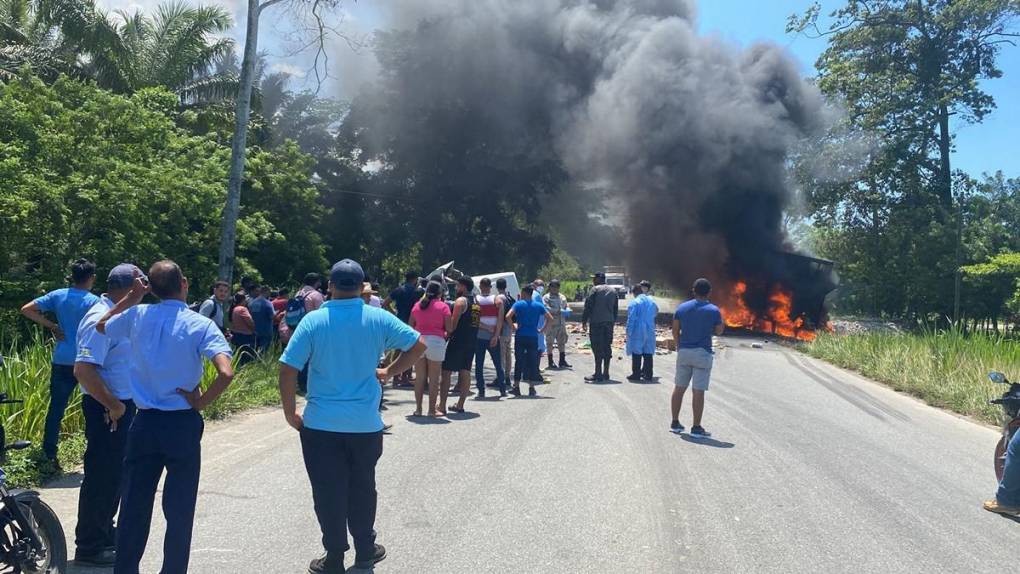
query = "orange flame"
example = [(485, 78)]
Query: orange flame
[(778, 321)]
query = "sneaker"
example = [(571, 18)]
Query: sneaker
[(593, 378), (515, 390), (676, 427), (994, 506), (366, 562), (633, 377), (647, 379), (503, 394), (480, 395), (605, 377), (699, 432), (328, 564), (531, 391), (102, 559)]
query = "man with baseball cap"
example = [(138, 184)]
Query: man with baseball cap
[(104, 370), (601, 309), (169, 344), (340, 428)]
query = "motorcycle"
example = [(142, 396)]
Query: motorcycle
[(1010, 403), (31, 537)]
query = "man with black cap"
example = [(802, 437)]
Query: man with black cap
[(103, 367), (601, 309), (460, 351), (340, 428), (168, 345)]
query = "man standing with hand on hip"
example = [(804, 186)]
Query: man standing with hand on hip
[(168, 344), (340, 428), (69, 305), (103, 367), (693, 326)]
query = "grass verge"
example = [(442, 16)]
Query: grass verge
[(25, 375), (947, 369)]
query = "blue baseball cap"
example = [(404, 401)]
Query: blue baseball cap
[(123, 275), (347, 275)]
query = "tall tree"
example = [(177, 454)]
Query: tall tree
[(905, 68), (174, 47), (905, 71), (231, 212)]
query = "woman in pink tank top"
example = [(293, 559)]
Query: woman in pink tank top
[(432, 318)]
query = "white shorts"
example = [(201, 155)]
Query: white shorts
[(693, 366), (435, 348)]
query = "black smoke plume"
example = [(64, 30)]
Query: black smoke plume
[(686, 137)]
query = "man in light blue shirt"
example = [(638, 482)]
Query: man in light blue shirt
[(69, 305), (341, 429), (168, 345), (103, 367)]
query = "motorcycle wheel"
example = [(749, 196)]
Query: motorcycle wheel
[(52, 535), (1000, 459)]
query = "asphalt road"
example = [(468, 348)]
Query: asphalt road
[(810, 469)]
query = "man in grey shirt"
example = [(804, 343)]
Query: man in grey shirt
[(601, 309)]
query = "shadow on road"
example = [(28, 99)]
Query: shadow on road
[(654, 381), (707, 441), (465, 416), (72, 480), (609, 382), (423, 420)]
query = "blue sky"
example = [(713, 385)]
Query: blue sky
[(990, 146)]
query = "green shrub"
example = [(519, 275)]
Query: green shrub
[(947, 369), (26, 376)]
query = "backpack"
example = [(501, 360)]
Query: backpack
[(295, 311), (197, 307)]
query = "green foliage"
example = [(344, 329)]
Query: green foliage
[(278, 233), (879, 187), (948, 369), (994, 286), (561, 266), (25, 375), (90, 173)]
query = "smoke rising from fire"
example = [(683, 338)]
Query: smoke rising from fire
[(689, 133)]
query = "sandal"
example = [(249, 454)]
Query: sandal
[(457, 409)]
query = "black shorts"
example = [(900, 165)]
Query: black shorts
[(459, 355)]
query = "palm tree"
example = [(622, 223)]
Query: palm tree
[(49, 36), (175, 47)]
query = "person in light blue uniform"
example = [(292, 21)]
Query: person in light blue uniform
[(169, 343), (340, 428), (641, 312), (103, 367), (539, 286), (69, 305)]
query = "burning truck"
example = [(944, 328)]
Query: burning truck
[(794, 307)]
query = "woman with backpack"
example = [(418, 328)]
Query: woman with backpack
[(432, 318)]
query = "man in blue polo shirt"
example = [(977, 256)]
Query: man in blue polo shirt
[(168, 345), (694, 324), (69, 305), (103, 366), (341, 429), (526, 316)]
